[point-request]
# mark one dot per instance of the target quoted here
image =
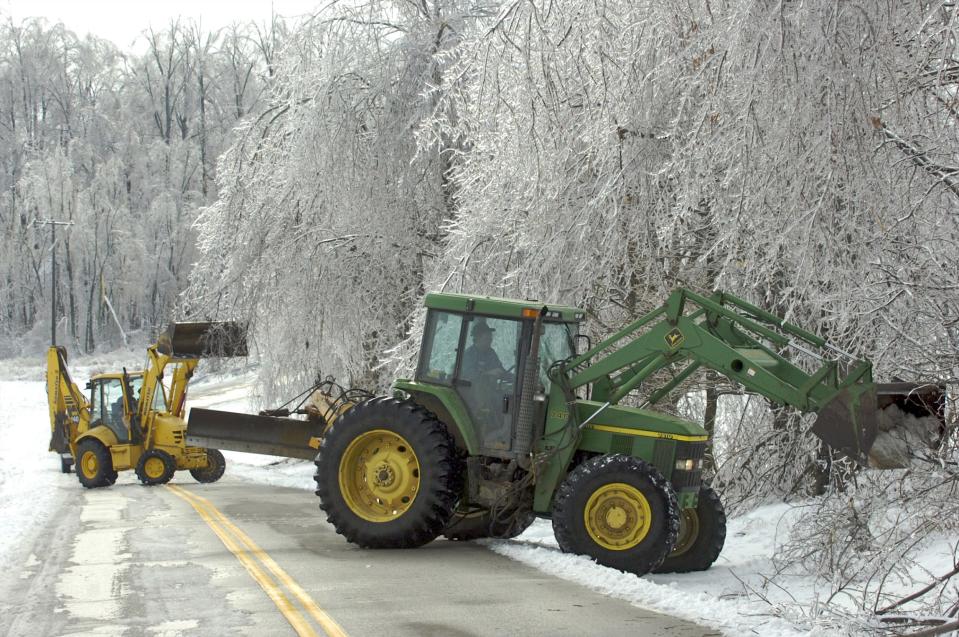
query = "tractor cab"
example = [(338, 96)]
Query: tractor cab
[(477, 346), (112, 403)]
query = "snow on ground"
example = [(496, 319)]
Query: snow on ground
[(714, 598), (725, 597), (29, 474)]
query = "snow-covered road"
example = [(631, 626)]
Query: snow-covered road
[(132, 560), (35, 497)]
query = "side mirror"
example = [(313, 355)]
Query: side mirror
[(89, 384)]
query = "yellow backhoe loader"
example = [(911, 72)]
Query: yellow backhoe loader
[(135, 420)]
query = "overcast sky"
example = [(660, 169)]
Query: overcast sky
[(123, 20)]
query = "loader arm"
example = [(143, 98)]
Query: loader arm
[(68, 406), (742, 342), (174, 358), (160, 367)]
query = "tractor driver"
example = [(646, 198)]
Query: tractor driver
[(480, 359)]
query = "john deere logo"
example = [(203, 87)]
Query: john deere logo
[(675, 338)]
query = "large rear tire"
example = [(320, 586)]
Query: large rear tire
[(216, 465), (618, 510), (94, 464), (702, 533), (155, 467), (387, 475)]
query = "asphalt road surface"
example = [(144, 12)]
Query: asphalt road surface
[(236, 558)]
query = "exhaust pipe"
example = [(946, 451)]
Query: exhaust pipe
[(524, 421)]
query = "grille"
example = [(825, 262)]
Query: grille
[(663, 455), (621, 444)]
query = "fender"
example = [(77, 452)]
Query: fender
[(101, 433), (447, 406)]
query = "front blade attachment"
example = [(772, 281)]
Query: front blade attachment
[(267, 435), (209, 339)]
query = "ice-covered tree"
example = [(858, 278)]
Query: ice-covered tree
[(329, 212)]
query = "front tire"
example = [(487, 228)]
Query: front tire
[(387, 475), (702, 533), (216, 465), (618, 510), (94, 464), (155, 467)]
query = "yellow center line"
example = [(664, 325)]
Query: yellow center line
[(285, 606), (327, 623)]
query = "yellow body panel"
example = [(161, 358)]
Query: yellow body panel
[(124, 456)]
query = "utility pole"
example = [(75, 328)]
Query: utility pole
[(53, 223)]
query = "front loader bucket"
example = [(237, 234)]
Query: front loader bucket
[(848, 421), (204, 340), (886, 422), (910, 418), (267, 435)]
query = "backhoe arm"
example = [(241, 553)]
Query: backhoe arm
[(66, 403)]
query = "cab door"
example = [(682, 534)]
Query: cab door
[(486, 378), (108, 408), (481, 369)]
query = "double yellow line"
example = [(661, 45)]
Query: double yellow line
[(252, 557)]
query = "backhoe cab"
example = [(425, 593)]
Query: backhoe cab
[(134, 420)]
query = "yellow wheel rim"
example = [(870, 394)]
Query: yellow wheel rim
[(154, 468), (379, 476), (617, 516), (688, 532), (89, 464)]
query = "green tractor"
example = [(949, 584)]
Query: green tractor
[(505, 421)]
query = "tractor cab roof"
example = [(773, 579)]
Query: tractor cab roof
[(506, 308), (115, 375)]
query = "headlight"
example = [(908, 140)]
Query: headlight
[(689, 464)]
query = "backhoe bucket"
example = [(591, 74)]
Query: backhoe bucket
[(885, 423), (268, 435), (224, 339)]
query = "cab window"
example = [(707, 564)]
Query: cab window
[(159, 398), (555, 344), (106, 406), (441, 341)]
